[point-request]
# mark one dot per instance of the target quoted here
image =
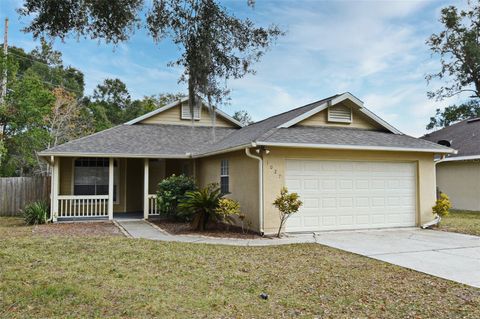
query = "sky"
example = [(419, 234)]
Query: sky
[(373, 49)]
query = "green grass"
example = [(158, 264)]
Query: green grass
[(462, 221), (68, 276)]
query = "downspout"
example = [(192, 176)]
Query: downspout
[(260, 186), (436, 218)]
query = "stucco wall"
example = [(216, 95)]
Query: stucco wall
[(172, 116), (243, 173), (274, 176), (359, 120), (461, 182)]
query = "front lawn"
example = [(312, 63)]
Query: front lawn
[(113, 276), (462, 221)]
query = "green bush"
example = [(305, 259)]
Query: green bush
[(442, 205), (36, 213), (201, 206), (171, 191), (227, 209)]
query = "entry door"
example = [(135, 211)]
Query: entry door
[(340, 195)]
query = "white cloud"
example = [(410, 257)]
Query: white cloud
[(374, 49)]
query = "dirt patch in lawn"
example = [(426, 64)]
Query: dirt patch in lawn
[(213, 230), (84, 229)]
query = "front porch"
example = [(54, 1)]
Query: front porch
[(108, 188)]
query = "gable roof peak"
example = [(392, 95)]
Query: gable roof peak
[(333, 100), (177, 102)]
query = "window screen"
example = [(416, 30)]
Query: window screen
[(91, 177), (224, 177)]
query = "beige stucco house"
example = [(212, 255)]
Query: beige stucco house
[(458, 175), (352, 169)]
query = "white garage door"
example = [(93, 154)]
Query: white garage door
[(351, 195)]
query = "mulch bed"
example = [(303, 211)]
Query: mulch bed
[(213, 230), (83, 229)]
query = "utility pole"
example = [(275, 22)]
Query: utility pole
[(5, 63)]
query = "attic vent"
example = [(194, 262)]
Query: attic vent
[(187, 115), (340, 113), (445, 143)]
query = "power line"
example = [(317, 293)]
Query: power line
[(34, 60), (54, 84)]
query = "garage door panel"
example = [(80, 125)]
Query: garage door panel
[(352, 195)]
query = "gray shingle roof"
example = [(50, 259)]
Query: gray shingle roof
[(256, 131), (143, 139), (164, 140), (463, 136), (348, 137)]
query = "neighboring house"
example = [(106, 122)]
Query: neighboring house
[(458, 175), (351, 168)]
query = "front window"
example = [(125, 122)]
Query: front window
[(91, 177), (224, 177)]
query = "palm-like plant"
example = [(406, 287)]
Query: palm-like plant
[(201, 205)]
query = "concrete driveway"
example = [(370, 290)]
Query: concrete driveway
[(447, 255)]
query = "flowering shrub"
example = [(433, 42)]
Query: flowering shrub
[(442, 205), (288, 204), (227, 209)]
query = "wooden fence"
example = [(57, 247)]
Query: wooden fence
[(16, 192)]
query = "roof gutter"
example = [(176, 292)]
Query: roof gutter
[(223, 151), (260, 187), (122, 155), (357, 147), (458, 158)]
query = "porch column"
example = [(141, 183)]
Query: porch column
[(145, 187), (110, 188), (54, 187)]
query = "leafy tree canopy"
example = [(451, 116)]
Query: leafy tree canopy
[(454, 113), (111, 104), (243, 117), (214, 44), (458, 47)]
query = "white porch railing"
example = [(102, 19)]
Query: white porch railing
[(152, 204), (82, 205)]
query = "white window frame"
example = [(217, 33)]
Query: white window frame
[(116, 178), (225, 173), (187, 115)]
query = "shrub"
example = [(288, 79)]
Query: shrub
[(442, 205), (36, 213), (171, 191), (227, 209), (201, 206), (288, 204)]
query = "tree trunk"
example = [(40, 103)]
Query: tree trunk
[(200, 221)]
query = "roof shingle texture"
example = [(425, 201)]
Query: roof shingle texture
[(178, 140), (145, 139), (463, 136), (258, 130), (348, 137)]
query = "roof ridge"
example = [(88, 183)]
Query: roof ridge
[(297, 108)]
